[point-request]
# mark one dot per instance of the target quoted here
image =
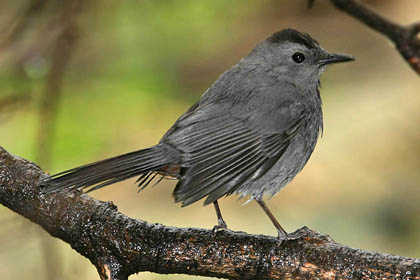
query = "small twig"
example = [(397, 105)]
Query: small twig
[(12, 102), (21, 95), (21, 22), (120, 246), (405, 38)]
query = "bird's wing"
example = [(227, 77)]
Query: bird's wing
[(221, 151)]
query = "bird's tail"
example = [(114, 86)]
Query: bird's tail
[(109, 171)]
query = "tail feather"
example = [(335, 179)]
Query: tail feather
[(109, 171)]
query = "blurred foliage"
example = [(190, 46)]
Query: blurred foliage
[(137, 65)]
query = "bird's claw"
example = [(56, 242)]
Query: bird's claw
[(220, 227)]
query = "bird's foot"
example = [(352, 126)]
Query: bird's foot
[(298, 234), (221, 226), (282, 236)]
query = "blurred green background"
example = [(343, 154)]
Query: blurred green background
[(85, 80)]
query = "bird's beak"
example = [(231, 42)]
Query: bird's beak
[(335, 58)]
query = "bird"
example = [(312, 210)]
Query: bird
[(251, 132)]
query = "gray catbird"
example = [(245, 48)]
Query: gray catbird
[(250, 133)]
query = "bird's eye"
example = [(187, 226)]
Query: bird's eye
[(298, 57)]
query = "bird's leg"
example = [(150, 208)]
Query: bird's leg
[(221, 224), (282, 234)]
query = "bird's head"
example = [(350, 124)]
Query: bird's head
[(295, 56)]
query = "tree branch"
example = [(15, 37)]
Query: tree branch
[(120, 246), (405, 38)]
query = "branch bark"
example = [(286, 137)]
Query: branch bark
[(405, 38), (119, 246)]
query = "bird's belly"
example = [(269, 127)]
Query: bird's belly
[(283, 171)]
